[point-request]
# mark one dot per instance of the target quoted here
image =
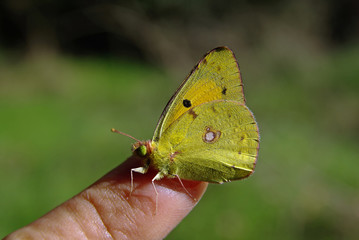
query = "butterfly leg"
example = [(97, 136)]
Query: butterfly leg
[(142, 170), (179, 179), (158, 176)]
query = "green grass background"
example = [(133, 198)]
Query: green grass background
[(55, 140)]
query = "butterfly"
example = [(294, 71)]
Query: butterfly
[(206, 132)]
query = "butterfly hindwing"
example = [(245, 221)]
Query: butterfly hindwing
[(216, 141)]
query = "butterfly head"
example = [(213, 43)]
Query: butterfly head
[(142, 148)]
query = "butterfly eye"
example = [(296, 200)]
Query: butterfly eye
[(141, 150), (187, 103)]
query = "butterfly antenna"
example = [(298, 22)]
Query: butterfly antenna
[(125, 134)]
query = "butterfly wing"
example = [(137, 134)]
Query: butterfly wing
[(215, 77), (216, 141)]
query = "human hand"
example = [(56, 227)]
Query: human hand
[(108, 210)]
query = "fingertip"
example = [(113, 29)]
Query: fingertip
[(155, 214)]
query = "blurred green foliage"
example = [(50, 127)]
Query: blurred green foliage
[(55, 139)]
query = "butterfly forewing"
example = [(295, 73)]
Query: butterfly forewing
[(215, 77)]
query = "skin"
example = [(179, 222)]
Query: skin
[(108, 210)]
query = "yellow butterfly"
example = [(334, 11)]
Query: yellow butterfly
[(206, 132)]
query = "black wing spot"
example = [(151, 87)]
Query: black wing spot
[(187, 103), (224, 90)]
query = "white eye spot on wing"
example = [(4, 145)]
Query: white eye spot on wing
[(210, 135)]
